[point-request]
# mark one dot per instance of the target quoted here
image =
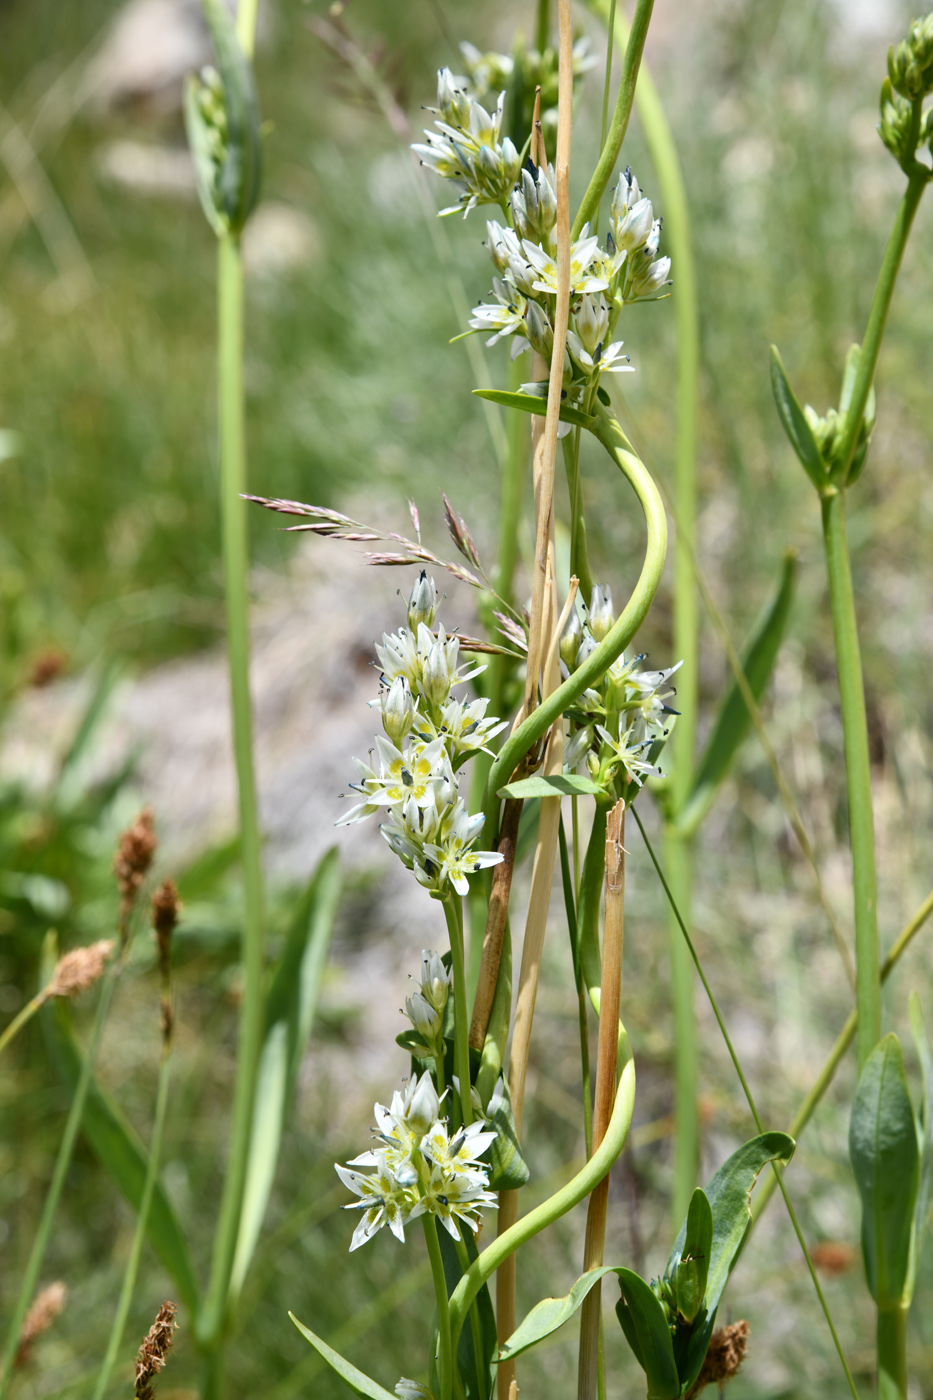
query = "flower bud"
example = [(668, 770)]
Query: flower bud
[(538, 329), (435, 674), (592, 765), (412, 1390), (453, 103), (435, 980), (398, 710), (423, 1017), (570, 639), (591, 322), (601, 615), (421, 1107), (422, 604)]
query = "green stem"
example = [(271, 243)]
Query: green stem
[(72, 1124), (570, 909), (476, 1330), (591, 888), (877, 318), (445, 1347), (580, 1186), (579, 558), (236, 567), (678, 861), (139, 1236), (843, 1041), (511, 494), (858, 775), (619, 125), (453, 910), (542, 26), (608, 432), (892, 1353), (22, 1017)]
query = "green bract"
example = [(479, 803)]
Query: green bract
[(223, 125)]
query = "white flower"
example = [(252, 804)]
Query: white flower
[(505, 316), (397, 707), (453, 1198), (435, 980), (460, 1155), (412, 773), (631, 753), (603, 361), (534, 206), (582, 254), (412, 1390), (382, 1200), (452, 858)]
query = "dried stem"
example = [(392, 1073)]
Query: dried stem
[(609, 999), (495, 922)]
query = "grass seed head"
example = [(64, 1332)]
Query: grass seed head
[(80, 969), (45, 1309), (132, 860), (151, 1355)]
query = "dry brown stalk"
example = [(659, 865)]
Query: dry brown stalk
[(165, 907), (726, 1353), (151, 1355), (79, 969), (495, 922), (131, 863), (609, 999), (45, 1308), (542, 625)]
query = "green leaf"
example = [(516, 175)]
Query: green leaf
[(795, 425), (290, 1007), (545, 1317), (925, 1193), (886, 1162), (508, 1169), (646, 1329), (118, 1149), (533, 403), (473, 1388), (561, 785), (734, 720), (358, 1383), (693, 1269)]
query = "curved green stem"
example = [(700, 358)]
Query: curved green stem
[(445, 1351), (132, 1265), (619, 125), (877, 318), (72, 1124), (858, 775), (482, 1268), (236, 567), (453, 910), (608, 432)]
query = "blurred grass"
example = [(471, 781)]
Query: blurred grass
[(109, 543)]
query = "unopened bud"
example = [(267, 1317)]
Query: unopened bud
[(398, 710), (435, 980), (421, 1106), (591, 322), (422, 604), (423, 1017), (601, 615), (538, 329), (570, 640), (435, 675)]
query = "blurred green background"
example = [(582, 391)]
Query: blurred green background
[(109, 546)]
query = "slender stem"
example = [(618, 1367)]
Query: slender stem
[(139, 1236), (571, 913), (445, 1353), (511, 493), (580, 1186), (754, 1112), (247, 13), (679, 865), (476, 1330), (607, 430), (541, 27), (858, 775), (497, 915), (619, 125), (609, 1001), (892, 1353), (453, 910), (72, 1124), (236, 565), (843, 1041), (22, 1017), (877, 318), (579, 558)]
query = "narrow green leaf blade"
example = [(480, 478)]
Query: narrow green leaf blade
[(508, 1170), (794, 423), (925, 1194), (290, 1008), (560, 785), (734, 720), (118, 1149), (477, 1381), (693, 1269), (886, 1163), (644, 1318), (359, 1383), (550, 1314), (532, 403)]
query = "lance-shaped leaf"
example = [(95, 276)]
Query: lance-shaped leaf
[(734, 720), (560, 785), (359, 1383), (692, 1270), (507, 1167), (533, 403), (728, 1192), (925, 1194), (886, 1163), (120, 1152), (290, 1008), (795, 425), (647, 1332), (550, 1314)]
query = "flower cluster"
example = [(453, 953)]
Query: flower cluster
[(467, 146), (418, 1168), (428, 736), (615, 725)]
